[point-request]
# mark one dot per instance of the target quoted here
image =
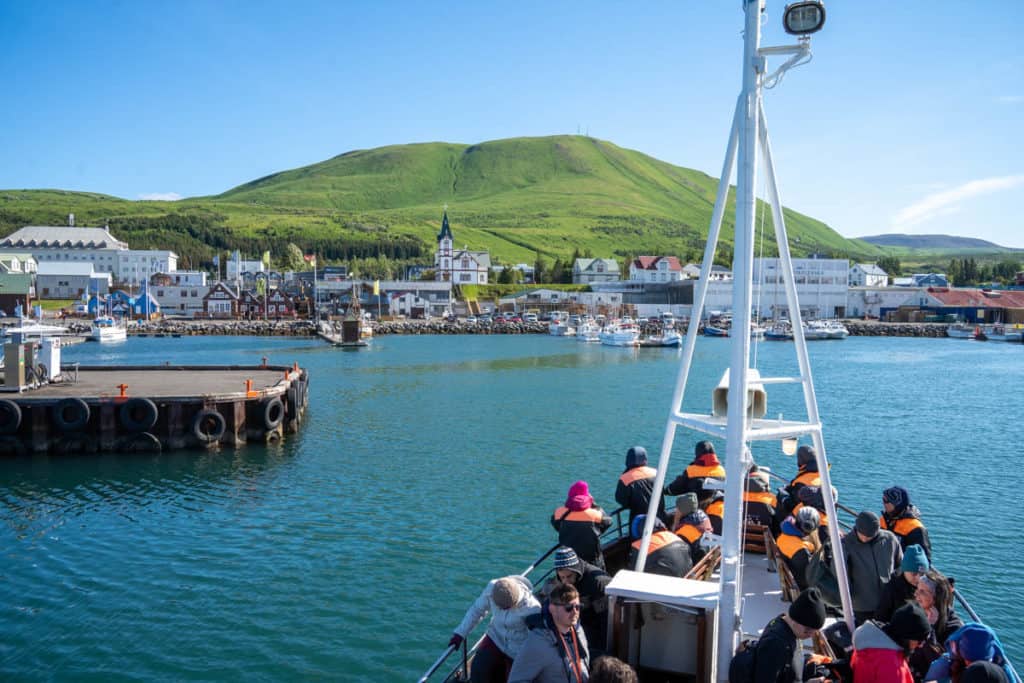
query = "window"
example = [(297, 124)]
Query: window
[(159, 292), (184, 293), (600, 267), (195, 292), (465, 263), (464, 277)]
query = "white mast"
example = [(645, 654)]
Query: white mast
[(749, 135)]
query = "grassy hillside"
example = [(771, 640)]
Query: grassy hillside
[(513, 197)]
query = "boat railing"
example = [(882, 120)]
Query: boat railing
[(611, 535)]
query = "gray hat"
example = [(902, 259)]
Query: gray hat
[(867, 524), (506, 592), (687, 503)]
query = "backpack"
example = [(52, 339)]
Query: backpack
[(744, 663)]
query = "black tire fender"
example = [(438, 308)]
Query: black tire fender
[(10, 416), (71, 414), (140, 442), (273, 412), (138, 414), (208, 426)]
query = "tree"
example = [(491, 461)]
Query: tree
[(293, 258), (540, 269), (506, 276), (891, 265)]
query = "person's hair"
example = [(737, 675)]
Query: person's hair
[(943, 600), (610, 669), (563, 593)]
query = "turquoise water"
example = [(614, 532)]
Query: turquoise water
[(428, 465)]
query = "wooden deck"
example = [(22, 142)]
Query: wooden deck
[(169, 383)]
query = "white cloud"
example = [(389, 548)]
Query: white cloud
[(160, 196), (1010, 99), (948, 201)]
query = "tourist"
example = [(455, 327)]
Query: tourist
[(509, 601), (667, 554), (580, 523), (983, 672), (934, 595), (779, 657), (806, 473), (901, 587), (715, 510), (590, 582), (759, 501), (872, 556), (904, 520), (970, 643), (812, 496), (555, 649), (703, 476), (798, 542), (636, 485), (609, 669), (693, 526), (880, 649)]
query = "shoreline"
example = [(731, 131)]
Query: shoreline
[(305, 328)]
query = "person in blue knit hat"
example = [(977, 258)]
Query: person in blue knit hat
[(902, 586), (969, 644), (904, 520)]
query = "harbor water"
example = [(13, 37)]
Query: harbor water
[(430, 464)]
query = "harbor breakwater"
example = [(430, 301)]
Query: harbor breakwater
[(305, 328)]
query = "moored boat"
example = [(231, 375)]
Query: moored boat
[(960, 331), (663, 338), (620, 334), (108, 329)]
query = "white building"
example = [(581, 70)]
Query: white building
[(96, 246), (869, 301), (821, 286), (587, 270), (70, 280), (458, 266), (236, 268), (655, 269), (180, 299), (868, 275), (718, 273)]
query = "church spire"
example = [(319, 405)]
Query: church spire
[(446, 231)]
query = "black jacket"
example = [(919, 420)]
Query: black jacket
[(634, 491), (778, 659)]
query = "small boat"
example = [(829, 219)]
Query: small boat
[(816, 330), (712, 331), (588, 331), (757, 331), (560, 328), (960, 331), (36, 331), (779, 332), (1004, 333), (621, 334), (107, 329), (664, 338)]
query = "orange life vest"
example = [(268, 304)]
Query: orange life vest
[(790, 545), (903, 525), (760, 497), (588, 515), (689, 532), (638, 473), (821, 515), (715, 509), (807, 479), (698, 471), (659, 539)]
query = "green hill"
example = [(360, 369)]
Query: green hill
[(514, 197)]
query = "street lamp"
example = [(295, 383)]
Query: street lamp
[(804, 18)]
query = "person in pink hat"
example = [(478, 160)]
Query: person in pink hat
[(580, 523)]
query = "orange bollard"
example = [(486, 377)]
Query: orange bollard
[(248, 385), (124, 389), (287, 373)]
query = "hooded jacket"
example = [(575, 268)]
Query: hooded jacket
[(870, 565), (507, 629), (543, 658), (697, 476), (636, 486), (796, 551), (877, 658), (907, 526)]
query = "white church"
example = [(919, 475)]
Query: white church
[(459, 266)]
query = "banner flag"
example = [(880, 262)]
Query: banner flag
[(376, 287), (266, 258)]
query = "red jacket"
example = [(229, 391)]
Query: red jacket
[(877, 658)]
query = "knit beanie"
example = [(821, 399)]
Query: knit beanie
[(898, 497), (867, 524), (579, 497), (686, 503), (635, 457), (637, 528), (914, 560), (806, 459), (909, 622), (505, 592), (808, 609), (976, 643), (566, 558), (983, 672)]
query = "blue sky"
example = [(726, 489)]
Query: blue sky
[(907, 120)]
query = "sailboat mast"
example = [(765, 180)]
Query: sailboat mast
[(737, 458)]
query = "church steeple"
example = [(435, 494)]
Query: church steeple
[(446, 231)]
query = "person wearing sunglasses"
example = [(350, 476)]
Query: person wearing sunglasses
[(556, 648)]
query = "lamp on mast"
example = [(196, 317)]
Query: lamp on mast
[(804, 18)]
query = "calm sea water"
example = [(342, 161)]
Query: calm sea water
[(428, 465)]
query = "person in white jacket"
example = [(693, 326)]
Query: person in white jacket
[(509, 600)]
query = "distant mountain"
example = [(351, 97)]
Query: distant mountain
[(514, 197), (932, 242)]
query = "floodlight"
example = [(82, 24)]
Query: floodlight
[(804, 18)]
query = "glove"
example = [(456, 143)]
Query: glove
[(455, 641)]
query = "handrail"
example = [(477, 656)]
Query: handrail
[(451, 648)]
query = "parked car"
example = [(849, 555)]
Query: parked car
[(484, 319), (515, 319), (471, 320), (530, 318)]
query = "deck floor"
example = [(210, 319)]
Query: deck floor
[(158, 383)]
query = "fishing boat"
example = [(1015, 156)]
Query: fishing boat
[(106, 329), (588, 331), (1004, 333), (688, 628), (780, 331), (960, 331), (620, 334), (715, 331), (663, 338)]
